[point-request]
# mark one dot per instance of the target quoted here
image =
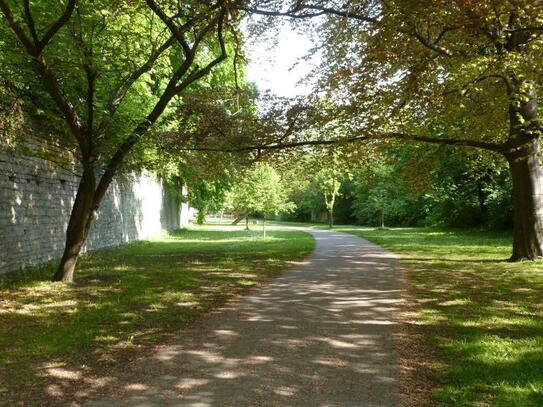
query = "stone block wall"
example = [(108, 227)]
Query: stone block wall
[(36, 197)]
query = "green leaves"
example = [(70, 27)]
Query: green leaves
[(261, 190)]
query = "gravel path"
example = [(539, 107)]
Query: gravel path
[(322, 335)]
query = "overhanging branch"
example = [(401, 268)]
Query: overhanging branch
[(313, 11), (392, 135)]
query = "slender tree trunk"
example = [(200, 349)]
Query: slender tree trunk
[(482, 197), (264, 227), (239, 218), (527, 174), (247, 222), (330, 218), (382, 218), (81, 217)]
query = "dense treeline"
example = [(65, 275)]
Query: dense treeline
[(414, 186)]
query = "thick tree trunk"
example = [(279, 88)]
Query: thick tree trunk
[(82, 215), (522, 153), (527, 174)]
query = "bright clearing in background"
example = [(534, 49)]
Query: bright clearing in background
[(279, 66)]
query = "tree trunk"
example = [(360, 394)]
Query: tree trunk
[(247, 222), (264, 227), (331, 218), (527, 174), (382, 218), (522, 153), (81, 218), (239, 218)]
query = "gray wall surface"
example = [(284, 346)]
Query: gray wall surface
[(36, 197)]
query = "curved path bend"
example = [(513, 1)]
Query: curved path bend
[(322, 335)]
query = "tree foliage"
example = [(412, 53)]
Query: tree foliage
[(448, 73), (261, 190), (107, 73)]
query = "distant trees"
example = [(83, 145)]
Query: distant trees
[(241, 200), (329, 184), (261, 190), (381, 196), (328, 180), (406, 185), (317, 178)]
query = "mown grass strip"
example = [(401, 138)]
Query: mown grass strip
[(483, 314), (127, 298)]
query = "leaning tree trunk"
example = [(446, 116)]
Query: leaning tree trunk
[(527, 174), (81, 218)]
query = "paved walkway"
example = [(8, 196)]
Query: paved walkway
[(322, 335)]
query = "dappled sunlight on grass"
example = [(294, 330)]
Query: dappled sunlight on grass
[(484, 314), (127, 298)]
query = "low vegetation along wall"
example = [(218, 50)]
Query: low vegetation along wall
[(35, 201)]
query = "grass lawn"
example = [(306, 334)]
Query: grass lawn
[(482, 314), (127, 298)]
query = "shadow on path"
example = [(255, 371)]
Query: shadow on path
[(323, 335)]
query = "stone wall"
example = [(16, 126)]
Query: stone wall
[(35, 201)]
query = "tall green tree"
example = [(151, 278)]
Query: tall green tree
[(328, 180), (241, 200), (262, 190), (108, 71)]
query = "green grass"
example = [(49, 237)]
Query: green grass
[(482, 314), (127, 298)]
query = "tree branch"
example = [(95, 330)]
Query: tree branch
[(30, 21), (16, 28), (173, 89), (90, 74), (444, 141), (64, 18), (392, 135), (316, 11), (46, 75), (434, 46), (118, 95), (205, 71)]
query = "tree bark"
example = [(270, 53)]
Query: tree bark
[(81, 217), (523, 154), (330, 218), (239, 218), (527, 175)]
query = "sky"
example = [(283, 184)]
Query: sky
[(279, 67)]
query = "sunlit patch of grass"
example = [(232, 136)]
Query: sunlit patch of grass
[(129, 297), (482, 313)]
